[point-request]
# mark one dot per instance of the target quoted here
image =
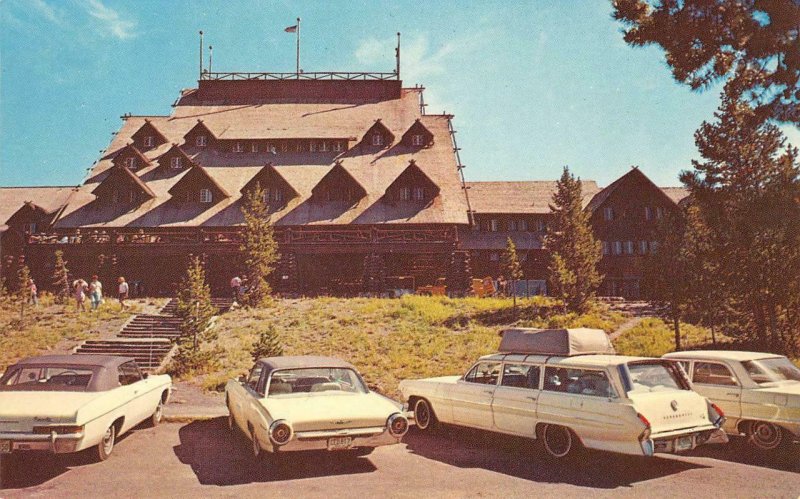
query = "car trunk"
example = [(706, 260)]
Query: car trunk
[(21, 411), (669, 411), (330, 411)]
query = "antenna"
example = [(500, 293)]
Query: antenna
[(201, 54), (397, 55), (210, 56)]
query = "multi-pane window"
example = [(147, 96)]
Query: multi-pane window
[(522, 225), (494, 225), (377, 139), (149, 141), (629, 247), (265, 196), (298, 146), (617, 247), (606, 248), (30, 228), (312, 146), (405, 193), (205, 196), (284, 146), (176, 162), (512, 225), (132, 196), (608, 213), (201, 141), (338, 146), (130, 162), (254, 147), (323, 146), (643, 247), (238, 147), (277, 195), (417, 140), (648, 213), (659, 212), (653, 246), (419, 193)]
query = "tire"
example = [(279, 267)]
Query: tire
[(424, 416), (765, 436), (106, 445), (256, 447), (158, 415), (559, 442)]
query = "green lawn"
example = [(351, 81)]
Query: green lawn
[(654, 337)]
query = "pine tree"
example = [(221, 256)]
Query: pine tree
[(23, 289), (61, 278), (268, 344), (196, 311), (511, 268), (259, 248), (574, 252)]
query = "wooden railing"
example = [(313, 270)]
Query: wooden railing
[(324, 75)]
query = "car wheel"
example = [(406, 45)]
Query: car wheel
[(158, 414), (558, 441), (765, 436), (424, 416), (106, 445)]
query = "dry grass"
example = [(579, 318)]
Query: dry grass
[(388, 339), (654, 337)]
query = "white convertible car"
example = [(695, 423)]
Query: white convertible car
[(759, 392), (563, 388), (68, 403), (311, 403)]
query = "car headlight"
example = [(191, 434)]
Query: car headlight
[(280, 432), (397, 424)]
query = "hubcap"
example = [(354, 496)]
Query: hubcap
[(159, 413), (108, 440), (422, 414), (557, 441), (766, 435)]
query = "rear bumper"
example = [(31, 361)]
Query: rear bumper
[(674, 442), (53, 442), (319, 440)]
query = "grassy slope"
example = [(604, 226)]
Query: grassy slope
[(387, 339), (654, 337)]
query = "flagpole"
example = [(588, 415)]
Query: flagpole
[(298, 48)]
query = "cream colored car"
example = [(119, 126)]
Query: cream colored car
[(566, 389), (311, 403), (68, 403), (759, 392)]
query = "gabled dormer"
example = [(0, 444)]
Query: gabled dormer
[(199, 136), (122, 186), (131, 158), (378, 136), (412, 186), (338, 186), (175, 159), (417, 136), (148, 137), (276, 190), (197, 186)]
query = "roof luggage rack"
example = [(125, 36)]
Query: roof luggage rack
[(561, 342)]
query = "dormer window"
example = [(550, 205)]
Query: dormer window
[(405, 193), (238, 147), (201, 141), (377, 139), (494, 225), (417, 140), (337, 146), (205, 196), (298, 147), (284, 146), (149, 141), (176, 162), (323, 146), (132, 196), (608, 213), (265, 196), (115, 196), (312, 146), (419, 193), (254, 147), (130, 162)]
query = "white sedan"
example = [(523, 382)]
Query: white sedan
[(311, 403), (759, 392), (68, 403)]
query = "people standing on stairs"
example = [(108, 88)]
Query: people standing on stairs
[(33, 293), (79, 289), (95, 293), (123, 292), (236, 288)]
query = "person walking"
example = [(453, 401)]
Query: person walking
[(33, 296), (79, 288), (236, 288), (95, 293), (123, 292)]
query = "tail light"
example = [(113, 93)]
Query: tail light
[(58, 430), (647, 428), (716, 414), (280, 432), (397, 425)]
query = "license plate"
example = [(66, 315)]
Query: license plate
[(340, 443), (683, 443), (5, 446)]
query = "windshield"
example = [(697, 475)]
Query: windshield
[(652, 377), (770, 370), (327, 380), (48, 378)]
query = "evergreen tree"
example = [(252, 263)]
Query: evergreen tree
[(61, 278), (574, 252), (268, 344), (196, 311), (755, 45), (23, 289), (259, 247), (511, 269)]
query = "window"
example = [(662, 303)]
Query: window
[(606, 248), (648, 213), (653, 246), (628, 247), (654, 376), (115, 196), (494, 256), (128, 373), (337, 146), (419, 193), (254, 147), (30, 228), (176, 162), (132, 196), (541, 226), (149, 141), (512, 225), (578, 381), (522, 225), (284, 146), (617, 247), (377, 139), (130, 162), (277, 195), (711, 373), (238, 147), (405, 193), (254, 376), (201, 141), (484, 373), (265, 196), (323, 146), (312, 146), (659, 213), (298, 146), (521, 376), (643, 247), (417, 140), (205, 196), (494, 225), (608, 213)]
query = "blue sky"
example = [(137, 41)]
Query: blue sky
[(534, 86)]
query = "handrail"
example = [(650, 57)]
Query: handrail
[(319, 75)]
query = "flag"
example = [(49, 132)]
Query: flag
[(291, 29)]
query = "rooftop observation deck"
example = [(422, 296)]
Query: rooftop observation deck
[(323, 75)]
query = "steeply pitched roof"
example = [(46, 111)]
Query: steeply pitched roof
[(121, 174), (676, 194), (49, 199), (604, 194), (198, 174), (523, 197)]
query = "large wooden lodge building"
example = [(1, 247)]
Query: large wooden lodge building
[(365, 190)]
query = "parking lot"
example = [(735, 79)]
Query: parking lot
[(203, 459)]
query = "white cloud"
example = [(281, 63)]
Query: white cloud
[(46, 10), (112, 21)]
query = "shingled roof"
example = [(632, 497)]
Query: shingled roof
[(524, 197), (48, 199), (604, 194)]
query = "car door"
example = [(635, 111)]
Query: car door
[(253, 393), (514, 401), (717, 381), (472, 395), (132, 394)]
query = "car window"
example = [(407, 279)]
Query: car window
[(484, 373), (50, 377), (128, 373), (654, 376), (255, 375), (578, 381), (521, 376), (711, 373)]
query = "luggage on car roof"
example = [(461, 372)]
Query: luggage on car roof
[(564, 342)]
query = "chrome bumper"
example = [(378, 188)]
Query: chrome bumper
[(667, 442), (318, 440), (52, 442)]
